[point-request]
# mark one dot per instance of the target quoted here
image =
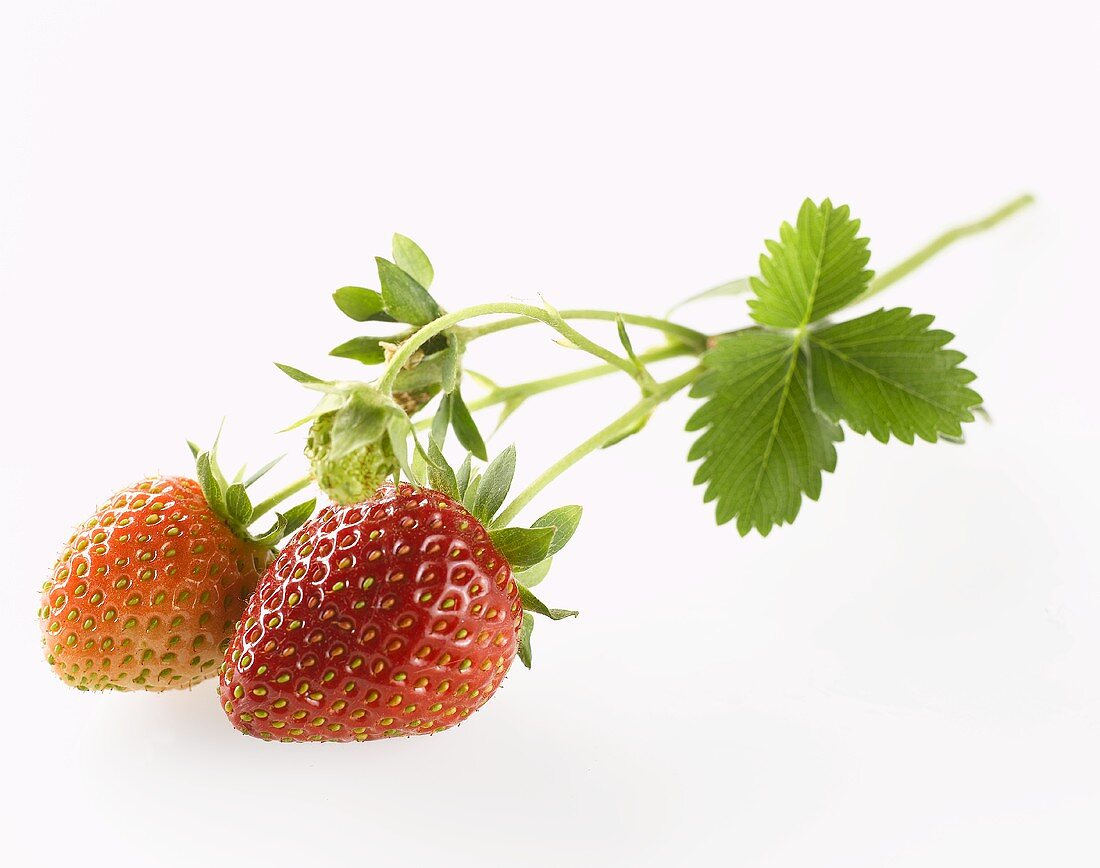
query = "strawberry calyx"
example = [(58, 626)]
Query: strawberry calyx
[(230, 500), (529, 550)]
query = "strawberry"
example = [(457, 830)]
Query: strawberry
[(147, 591), (396, 616)]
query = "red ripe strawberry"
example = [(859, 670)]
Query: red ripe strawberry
[(396, 616), (147, 590)]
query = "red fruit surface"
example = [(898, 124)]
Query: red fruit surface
[(396, 616), (147, 591)]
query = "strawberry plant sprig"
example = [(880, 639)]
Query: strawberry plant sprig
[(398, 609)]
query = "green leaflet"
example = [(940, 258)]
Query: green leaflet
[(888, 373), (363, 349), (360, 303), (763, 446), (412, 260), (815, 269), (406, 300)]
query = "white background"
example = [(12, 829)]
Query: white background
[(905, 677)]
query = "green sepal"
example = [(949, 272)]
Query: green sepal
[(361, 304), (298, 515), (526, 628), (531, 603), (523, 546), (564, 521), (406, 300), (462, 475), (238, 505), (495, 484), (465, 428), (411, 259), (209, 484), (262, 472), (470, 494), (367, 350), (441, 421), (450, 364), (532, 576), (441, 475)]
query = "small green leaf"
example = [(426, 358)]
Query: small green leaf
[(531, 603), (412, 260), (450, 364), (441, 421), (564, 520), (532, 576), (495, 483), (308, 380), (815, 269), (522, 546), (398, 431), (357, 423), (526, 628), (275, 533), (298, 515), (465, 427), (406, 300), (628, 432), (363, 349), (194, 447), (463, 475), (361, 304), (238, 505), (470, 495), (441, 475), (262, 472), (209, 484)]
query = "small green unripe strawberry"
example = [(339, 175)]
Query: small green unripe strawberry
[(347, 477)]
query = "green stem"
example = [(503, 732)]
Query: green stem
[(278, 497), (526, 312), (948, 238), (601, 438), (501, 394), (691, 337)]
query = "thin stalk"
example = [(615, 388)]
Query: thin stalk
[(526, 311), (278, 497), (601, 438), (689, 336), (501, 394), (906, 266)]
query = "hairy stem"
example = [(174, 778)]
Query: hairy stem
[(905, 267), (526, 312), (691, 337), (601, 438), (501, 394)]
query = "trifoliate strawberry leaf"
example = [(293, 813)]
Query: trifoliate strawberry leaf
[(361, 304), (526, 628), (495, 483), (412, 260), (888, 373), (815, 269), (564, 520), (763, 445), (367, 350), (406, 300), (531, 603), (465, 428), (531, 576), (522, 547)]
